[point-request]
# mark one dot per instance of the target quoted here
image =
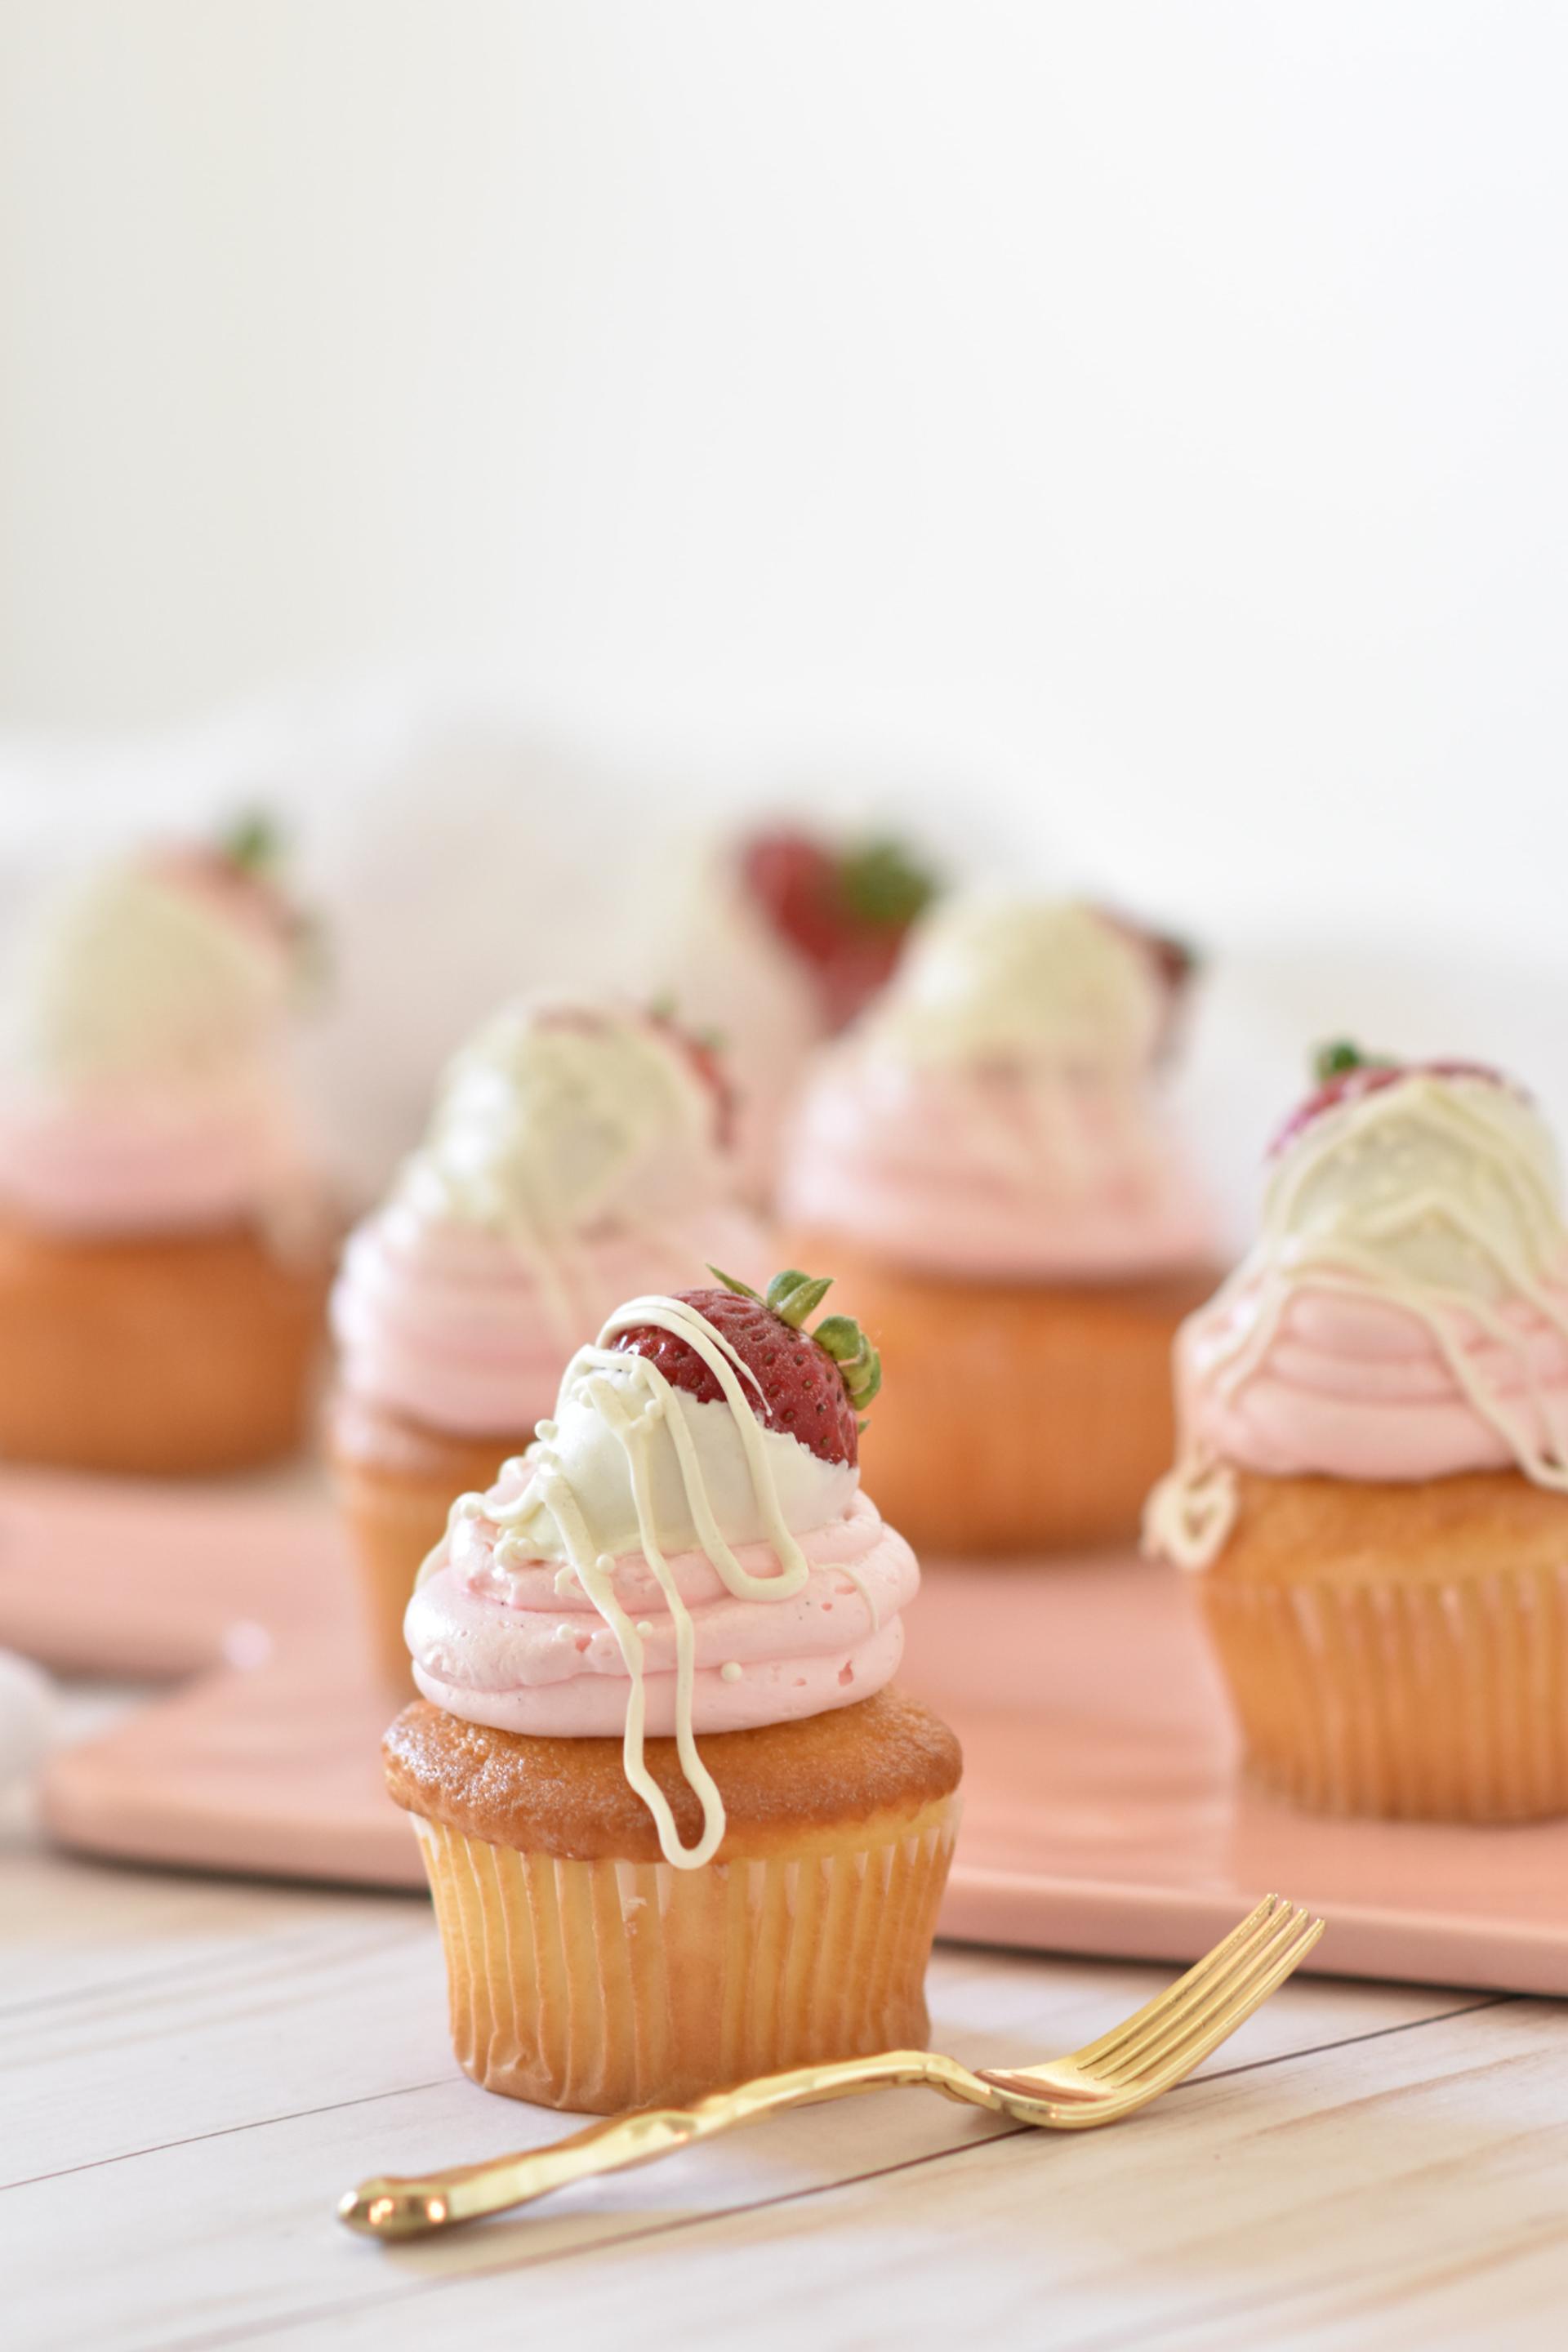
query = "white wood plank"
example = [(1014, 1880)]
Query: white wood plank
[(1402, 2191), (198, 2232), (192, 2070)]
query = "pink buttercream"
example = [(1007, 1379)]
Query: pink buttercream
[(1358, 1387), (505, 1647), (449, 1323), (994, 1173), (149, 1157)]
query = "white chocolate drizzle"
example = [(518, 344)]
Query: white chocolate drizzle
[(989, 978), (141, 990), (1051, 1016), (636, 1400), (541, 1124), (1491, 1219)]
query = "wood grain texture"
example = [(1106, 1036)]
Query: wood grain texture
[(190, 2070)]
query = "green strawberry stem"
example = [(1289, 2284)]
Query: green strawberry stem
[(732, 1282), (791, 1297), (1340, 1056), (858, 1361), (254, 842), (882, 883)]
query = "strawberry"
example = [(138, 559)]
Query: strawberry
[(845, 914), (699, 1048), (704, 1049), (1345, 1073), (1177, 961), (1176, 965), (242, 873), (812, 1382)]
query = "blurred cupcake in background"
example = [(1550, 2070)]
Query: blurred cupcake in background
[(578, 1153), (986, 1164), (1372, 1482), (789, 938), (164, 1234)]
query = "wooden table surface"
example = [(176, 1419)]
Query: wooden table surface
[(194, 2069)]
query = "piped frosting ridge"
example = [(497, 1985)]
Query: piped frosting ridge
[(1403, 1314)]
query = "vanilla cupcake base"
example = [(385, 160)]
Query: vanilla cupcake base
[(1399, 1650), (603, 1985), (156, 1355), (598, 1980), (1015, 1417), (395, 1482)]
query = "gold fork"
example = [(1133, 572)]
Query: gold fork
[(1100, 2084)]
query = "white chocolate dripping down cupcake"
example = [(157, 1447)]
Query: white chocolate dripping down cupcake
[(144, 1086), (1057, 985), (139, 972), (1403, 1315), (771, 1588), (558, 1118), (997, 1116)]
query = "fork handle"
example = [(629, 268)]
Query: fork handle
[(394, 2207)]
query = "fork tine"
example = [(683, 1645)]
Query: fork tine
[(1161, 2067), (1191, 2001), (1213, 1965)]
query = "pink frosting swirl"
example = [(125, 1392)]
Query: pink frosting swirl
[(451, 1324), (993, 1171), (1359, 1387), (524, 1649), (148, 1158)]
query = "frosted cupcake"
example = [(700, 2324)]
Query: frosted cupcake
[(1373, 1483), (577, 1152), (986, 1163), (679, 1828), (789, 938), (164, 1243)]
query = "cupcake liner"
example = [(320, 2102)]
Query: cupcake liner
[(1417, 1701), (603, 1985)]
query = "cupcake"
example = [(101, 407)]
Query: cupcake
[(164, 1244), (789, 938), (1371, 1487), (985, 1161), (578, 1152), (679, 1828)]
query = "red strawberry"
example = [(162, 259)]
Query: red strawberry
[(1346, 1075), (846, 914), (705, 1052), (1176, 964), (1175, 960), (242, 874), (701, 1050), (812, 1383)]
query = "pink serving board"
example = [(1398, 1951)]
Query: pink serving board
[(1102, 1812), (148, 1580)]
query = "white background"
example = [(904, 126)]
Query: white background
[(1130, 437)]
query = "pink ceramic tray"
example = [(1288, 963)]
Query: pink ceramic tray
[(1102, 1810), (147, 1580), (275, 1771)]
